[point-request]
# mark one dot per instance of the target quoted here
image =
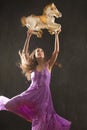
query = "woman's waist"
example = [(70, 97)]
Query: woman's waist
[(39, 83)]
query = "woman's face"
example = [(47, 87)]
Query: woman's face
[(39, 53)]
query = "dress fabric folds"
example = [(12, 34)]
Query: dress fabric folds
[(35, 104)]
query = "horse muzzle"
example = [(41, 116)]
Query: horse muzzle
[(59, 14)]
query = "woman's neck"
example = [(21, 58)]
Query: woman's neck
[(40, 61)]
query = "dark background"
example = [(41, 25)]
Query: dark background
[(69, 83)]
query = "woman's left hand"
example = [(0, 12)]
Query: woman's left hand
[(59, 31)]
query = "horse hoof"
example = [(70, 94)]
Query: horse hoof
[(39, 34), (51, 32)]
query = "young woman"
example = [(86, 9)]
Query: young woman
[(35, 104)]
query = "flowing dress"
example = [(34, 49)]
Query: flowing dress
[(35, 104)]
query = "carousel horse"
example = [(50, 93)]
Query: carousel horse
[(44, 21)]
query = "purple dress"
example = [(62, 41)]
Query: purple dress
[(35, 104)]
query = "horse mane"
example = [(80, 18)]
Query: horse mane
[(44, 10)]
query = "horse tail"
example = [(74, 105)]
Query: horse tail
[(23, 21)]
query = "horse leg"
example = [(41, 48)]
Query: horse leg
[(38, 33), (52, 28)]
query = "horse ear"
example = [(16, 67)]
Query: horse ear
[(52, 4)]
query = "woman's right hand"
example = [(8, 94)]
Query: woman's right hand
[(29, 32)]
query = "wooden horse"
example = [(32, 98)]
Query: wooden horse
[(44, 21)]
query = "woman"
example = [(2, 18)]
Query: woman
[(35, 104)]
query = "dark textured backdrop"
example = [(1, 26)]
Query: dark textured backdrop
[(69, 84)]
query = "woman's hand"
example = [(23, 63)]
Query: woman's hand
[(58, 32), (29, 33)]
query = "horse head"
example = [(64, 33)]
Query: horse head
[(51, 10)]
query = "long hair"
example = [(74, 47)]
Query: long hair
[(28, 63)]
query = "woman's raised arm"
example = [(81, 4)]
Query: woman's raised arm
[(26, 45), (55, 53), (24, 54)]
